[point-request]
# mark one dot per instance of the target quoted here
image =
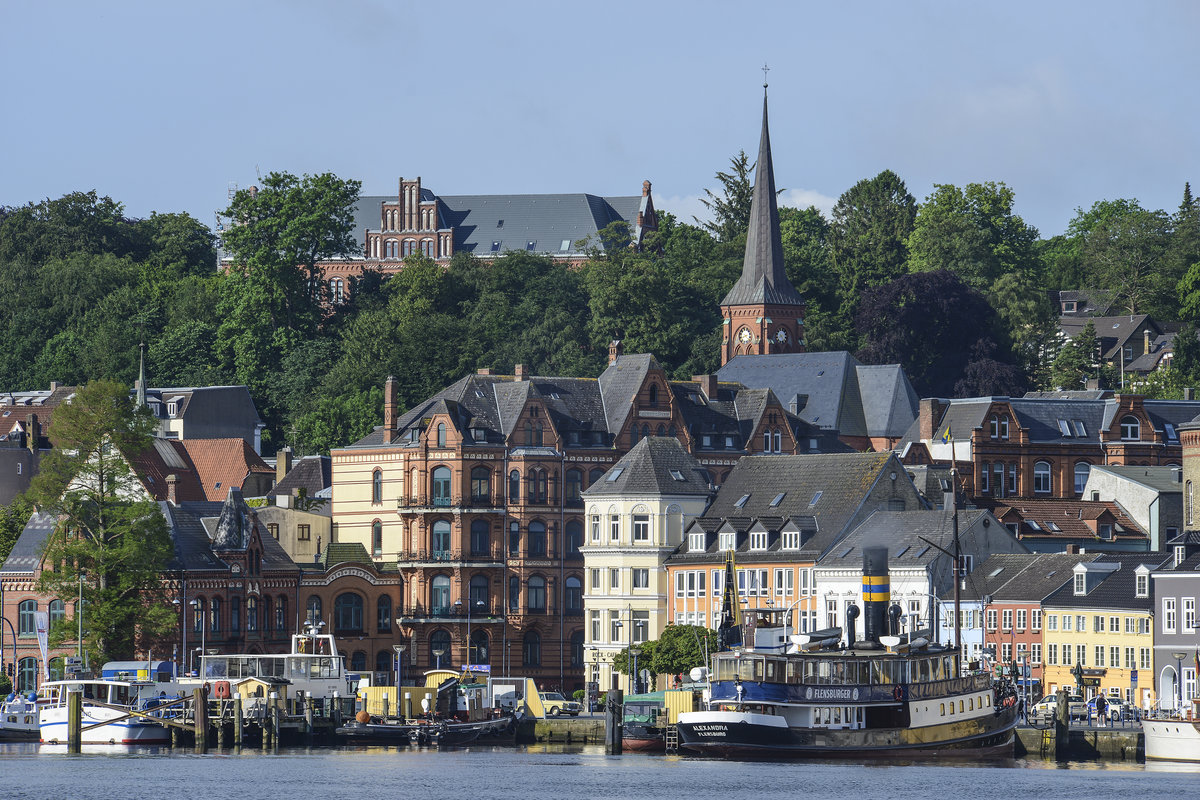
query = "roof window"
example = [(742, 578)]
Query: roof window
[(742, 502), (677, 475), (777, 499), (496, 247), (816, 497), (616, 473)]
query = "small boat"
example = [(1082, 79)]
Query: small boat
[(456, 717), (19, 718), (641, 723), (825, 696), (108, 707), (1173, 737)]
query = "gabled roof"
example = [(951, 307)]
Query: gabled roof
[(619, 384), (26, 554), (1116, 584), (310, 474), (1112, 332), (1164, 480), (1064, 519), (1021, 577), (221, 464), (907, 536), (657, 465)]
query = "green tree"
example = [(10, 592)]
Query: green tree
[(868, 237), (12, 521), (1077, 360), (1124, 247), (108, 531), (730, 209), (682, 647)]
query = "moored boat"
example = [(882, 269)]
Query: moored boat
[(19, 718), (107, 712), (1173, 737), (829, 696), (641, 730)]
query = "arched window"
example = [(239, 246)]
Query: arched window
[(478, 594), (25, 620), (653, 394), (514, 539), (57, 668), (479, 647), (1082, 470), (440, 541), (441, 434), (528, 433), (281, 621), (573, 599), (385, 661), (214, 615), (251, 615), (766, 441), (514, 487), (660, 431), (531, 649), (58, 611), (1041, 478), (633, 434), (427, 247), (778, 441), (481, 538), (439, 647), (481, 485), (994, 427), (537, 435), (235, 615), (537, 539), (199, 606), (577, 649), (313, 608), (574, 531), (441, 486), (645, 431), (514, 594), (377, 486), (335, 291), (536, 491), (574, 486), (27, 674), (348, 612), (383, 614), (377, 538), (537, 594), (439, 598), (1131, 428), (358, 661)]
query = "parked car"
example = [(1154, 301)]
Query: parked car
[(1043, 710), (1117, 708), (556, 704)]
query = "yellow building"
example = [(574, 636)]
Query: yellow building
[(636, 517), (1098, 627)]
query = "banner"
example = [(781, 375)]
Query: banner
[(41, 621)]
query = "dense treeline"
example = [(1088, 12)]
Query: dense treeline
[(955, 288)]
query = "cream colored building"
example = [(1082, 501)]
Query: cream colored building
[(636, 515)]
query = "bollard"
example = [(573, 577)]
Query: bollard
[(221, 706), (612, 722), (336, 711), (200, 718), (74, 720), (1062, 723), (237, 721), (385, 706), (308, 718), (275, 711), (407, 711)]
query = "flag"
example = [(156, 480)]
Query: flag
[(946, 437)]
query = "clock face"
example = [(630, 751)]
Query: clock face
[(744, 336), (781, 336)]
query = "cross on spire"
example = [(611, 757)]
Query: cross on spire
[(765, 70)]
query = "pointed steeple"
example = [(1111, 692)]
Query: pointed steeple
[(141, 381), (764, 279), (763, 313)]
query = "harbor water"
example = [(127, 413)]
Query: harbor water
[(560, 772)]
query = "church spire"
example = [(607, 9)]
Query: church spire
[(763, 293), (141, 381)]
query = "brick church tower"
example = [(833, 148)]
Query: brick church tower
[(763, 313)]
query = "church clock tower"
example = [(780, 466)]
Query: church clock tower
[(763, 313)]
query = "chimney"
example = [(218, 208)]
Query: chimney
[(929, 415), (483, 371), (1189, 393), (614, 351), (389, 410), (708, 385), (172, 481), (1146, 341), (520, 373), (645, 188), (34, 432), (1073, 549), (1092, 384), (283, 463), (54, 385)]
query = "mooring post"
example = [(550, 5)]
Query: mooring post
[(612, 722), (273, 716), (222, 705), (337, 711), (74, 719), (308, 717), (1062, 725), (386, 707), (237, 720), (200, 718)]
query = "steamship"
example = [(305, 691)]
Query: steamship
[(832, 696)]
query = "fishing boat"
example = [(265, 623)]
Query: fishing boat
[(19, 718), (1173, 737), (832, 696), (642, 728), (108, 711)]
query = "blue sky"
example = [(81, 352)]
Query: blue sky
[(164, 105)]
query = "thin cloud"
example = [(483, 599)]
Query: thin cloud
[(690, 208)]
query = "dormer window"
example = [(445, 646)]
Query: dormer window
[(1180, 554), (789, 540), (1131, 428), (1080, 583), (1068, 306), (758, 540), (1143, 584), (653, 395), (696, 542), (728, 540), (172, 408)]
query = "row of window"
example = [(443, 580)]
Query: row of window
[(1032, 616), (393, 248), (638, 623), (540, 541), (751, 582), (1172, 621), (348, 606), (1131, 428), (539, 485), (259, 614), (1100, 623), (26, 624), (1103, 656)]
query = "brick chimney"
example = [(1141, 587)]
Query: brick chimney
[(1146, 341), (929, 415), (389, 410), (708, 385), (520, 372), (1189, 393), (483, 371), (614, 351), (1092, 384), (283, 463), (172, 481)]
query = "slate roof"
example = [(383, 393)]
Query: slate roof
[(193, 526), (764, 279), (1112, 332), (26, 553), (1064, 519), (1116, 590), (650, 468), (514, 220), (310, 473), (904, 534), (1163, 480), (1022, 577)]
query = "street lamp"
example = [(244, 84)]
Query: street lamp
[(616, 639), (458, 609), (438, 655), (79, 618), (399, 648), (196, 609), (1179, 657), (635, 652)]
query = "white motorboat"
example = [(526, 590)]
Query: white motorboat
[(1173, 737), (19, 718), (106, 712)]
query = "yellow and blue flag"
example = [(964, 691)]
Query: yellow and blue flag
[(946, 437)]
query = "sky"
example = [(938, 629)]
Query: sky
[(165, 106)]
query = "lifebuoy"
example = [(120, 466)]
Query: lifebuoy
[(222, 691), (898, 692)]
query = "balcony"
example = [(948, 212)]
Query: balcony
[(455, 614), (475, 504), (416, 558)]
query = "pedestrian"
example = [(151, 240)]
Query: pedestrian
[(1101, 709)]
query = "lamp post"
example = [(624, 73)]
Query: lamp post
[(635, 652), (182, 609), (195, 604), (399, 648), (1179, 680), (616, 639), (79, 618), (458, 608), (438, 655)]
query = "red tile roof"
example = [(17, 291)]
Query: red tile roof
[(222, 463), (1051, 518)]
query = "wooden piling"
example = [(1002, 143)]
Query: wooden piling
[(200, 718), (308, 718), (237, 721), (613, 705), (74, 721), (336, 711), (1062, 722)]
